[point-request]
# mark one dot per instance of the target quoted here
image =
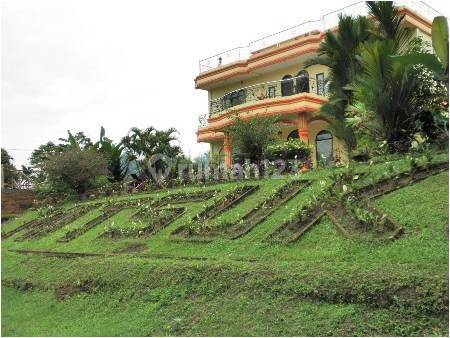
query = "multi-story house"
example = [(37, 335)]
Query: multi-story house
[(268, 78)]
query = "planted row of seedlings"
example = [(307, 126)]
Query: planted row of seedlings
[(352, 212), (400, 180), (51, 224), (111, 209), (33, 223), (195, 228), (266, 208), (259, 213), (106, 214), (153, 219), (185, 197)]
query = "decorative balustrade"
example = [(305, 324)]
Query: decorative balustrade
[(327, 21), (203, 121), (267, 90)]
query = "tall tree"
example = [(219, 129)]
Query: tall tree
[(48, 150), (114, 153), (384, 89), (75, 170), (9, 172), (118, 162), (142, 146), (339, 52)]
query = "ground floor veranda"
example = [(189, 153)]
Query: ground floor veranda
[(309, 127)]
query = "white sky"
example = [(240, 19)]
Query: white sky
[(81, 64)]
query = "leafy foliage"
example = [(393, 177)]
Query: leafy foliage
[(143, 145), (251, 137), (437, 62), (77, 170), (394, 98), (289, 149), (118, 162), (374, 91), (9, 172), (339, 52), (385, 91)]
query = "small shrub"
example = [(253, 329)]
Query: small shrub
[(290, 149)]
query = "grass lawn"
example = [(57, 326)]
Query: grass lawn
[(322, 284)]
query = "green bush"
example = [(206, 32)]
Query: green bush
[(290, 149), (76, 170)]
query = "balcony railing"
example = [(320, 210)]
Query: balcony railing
[(268, 90), (327, 21)]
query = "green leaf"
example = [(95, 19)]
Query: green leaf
[(72, 141), (440, 39), (428, 60)]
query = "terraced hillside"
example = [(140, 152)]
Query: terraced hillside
[(346, 251)]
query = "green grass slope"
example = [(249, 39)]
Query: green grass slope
[(322, 284)]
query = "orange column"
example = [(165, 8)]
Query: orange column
[(227, 148), (303, 127)]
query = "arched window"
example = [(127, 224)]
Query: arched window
[(324, 147), (287, 86), (293, 134), (302, 82)]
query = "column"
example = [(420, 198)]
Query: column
[(227, 149), (303, 127)]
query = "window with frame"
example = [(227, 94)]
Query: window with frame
[(320, 80), (234, 98), (271, 92)]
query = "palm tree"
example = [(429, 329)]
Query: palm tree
[(385, 87), (388, 20), (339, 52), (385, 90), (143, 144), (147, 142)]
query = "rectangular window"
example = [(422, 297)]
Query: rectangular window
[(320, 80), (271, 91)]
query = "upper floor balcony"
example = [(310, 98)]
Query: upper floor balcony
[(418, 13), (266, 93)]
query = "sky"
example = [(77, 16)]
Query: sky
[(83, 64)]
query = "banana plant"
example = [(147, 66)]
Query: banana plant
[(117, 160)]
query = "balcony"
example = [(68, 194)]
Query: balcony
[(328, 21), (267, 92), (286, 98)]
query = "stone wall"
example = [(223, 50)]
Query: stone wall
[(16, 201)]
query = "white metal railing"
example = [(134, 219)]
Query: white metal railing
[(327, 21)]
